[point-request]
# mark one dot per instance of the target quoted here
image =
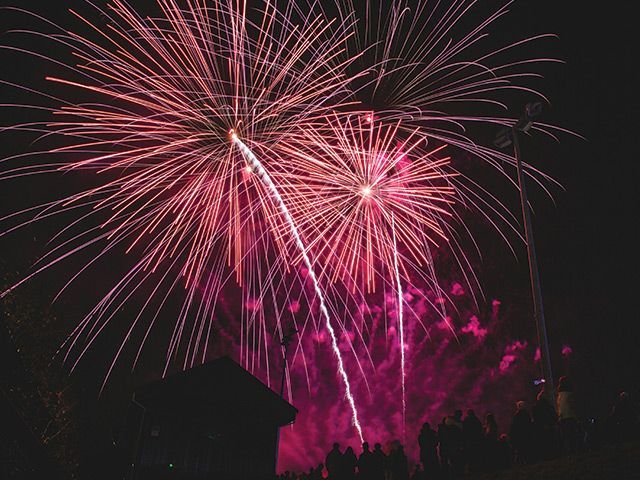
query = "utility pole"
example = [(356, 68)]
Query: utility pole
[(504, 139), (284, 343)]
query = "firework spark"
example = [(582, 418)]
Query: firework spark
[(400, 308), (273, 190)]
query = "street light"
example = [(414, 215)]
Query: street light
[(505, 138)]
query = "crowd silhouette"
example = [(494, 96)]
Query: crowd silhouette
[(463, 444)]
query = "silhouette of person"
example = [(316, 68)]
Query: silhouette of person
[(505, 454), (398, 466), (418, 473), (544, 428), (567, 416), (349, 463), (333, 462), (444, 438), (366, 467), (379, 462), (428, 442), (457, 418), (316, 473), (457, 442), (491, 460), (622, 423), (543, 412), (490, 427), (520, 433), (473, 436), (451, 444)]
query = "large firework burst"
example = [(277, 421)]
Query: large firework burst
[(174, 189)]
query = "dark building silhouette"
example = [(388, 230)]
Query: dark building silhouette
[(214, 421)]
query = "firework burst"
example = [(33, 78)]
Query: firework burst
[(357, 186), (430, 64), (173, 188)]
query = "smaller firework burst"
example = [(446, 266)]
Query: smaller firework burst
[(359, 185)]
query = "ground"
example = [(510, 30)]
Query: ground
[(610, 463)]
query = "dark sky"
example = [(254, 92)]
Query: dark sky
[(587, 241)]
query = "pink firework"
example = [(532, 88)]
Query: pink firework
[(431, 65), (173, 191), (359, 193), (357, 186)]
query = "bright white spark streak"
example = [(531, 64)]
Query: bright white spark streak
[(400, 320), (266, 180)]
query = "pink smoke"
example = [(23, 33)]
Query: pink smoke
[(449, 366), (457, 290), (474, 328), (459, 358)]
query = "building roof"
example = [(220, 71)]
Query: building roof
[(220, 388)]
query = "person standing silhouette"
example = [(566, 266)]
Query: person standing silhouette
[(520, 433), (398, 466), (567, 416), (349, 463), (333, 462), (428, 442), (473, 439), (366, 465), (379, 462)]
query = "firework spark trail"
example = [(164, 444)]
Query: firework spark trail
[(275, 194), (400, 325)]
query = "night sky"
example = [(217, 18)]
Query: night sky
[(587, 239), (587, 242)]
